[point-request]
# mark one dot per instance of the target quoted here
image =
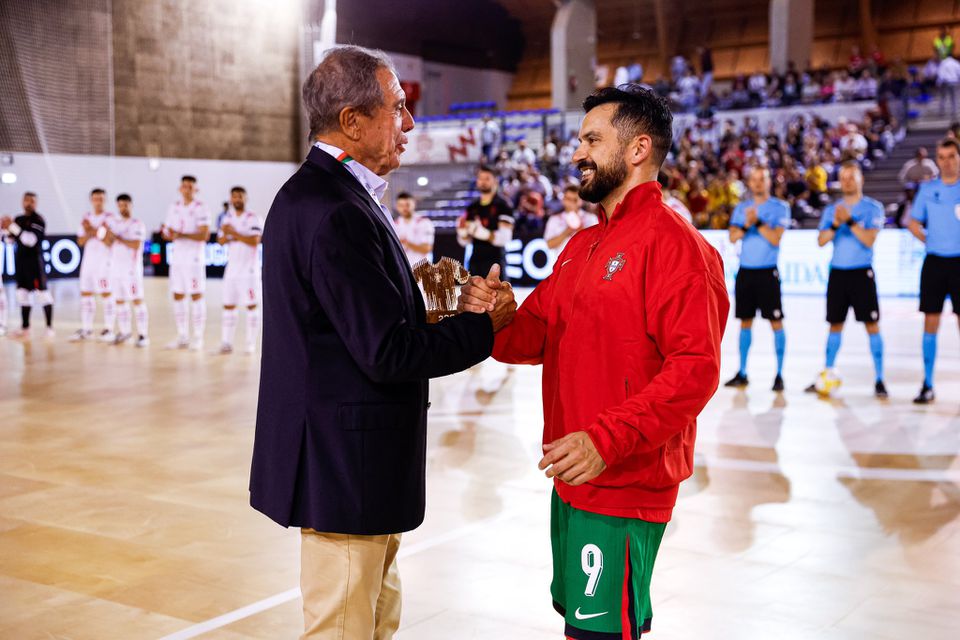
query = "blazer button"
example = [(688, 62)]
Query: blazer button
[(429, 404)]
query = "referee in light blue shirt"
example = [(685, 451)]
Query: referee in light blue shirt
[(760, 223), (935, 221), (852, 224)]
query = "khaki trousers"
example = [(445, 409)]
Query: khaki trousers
[(350, 586)]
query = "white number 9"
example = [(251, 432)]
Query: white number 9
[(591, 560)]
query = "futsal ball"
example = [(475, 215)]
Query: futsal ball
[(827, 382)]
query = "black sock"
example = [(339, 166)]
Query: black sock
[(25, 316), (48, 312)]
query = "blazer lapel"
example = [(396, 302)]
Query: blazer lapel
[(323, 160)]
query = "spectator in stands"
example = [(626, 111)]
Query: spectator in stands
[(866, 86), (789, 90), (928, 80), (943, 44), (893, 93), (878, 62), (678, 67), (689, 89), (853, 144), (530, 210), (735, 187), (815, 177), (856, 63), (551, 159), (669, 199), (662, 87), (706, 69), (948, 77), (523, 155), (489, 139), (697, 202), (757, 86), (918, 169), (810, 91), (562, 225), (844, 87), (826, 86), (621, 76), (635, 73), (739, 95)]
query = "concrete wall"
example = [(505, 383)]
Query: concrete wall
[(210, 79)]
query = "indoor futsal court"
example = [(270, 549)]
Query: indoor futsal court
[(274, 275)]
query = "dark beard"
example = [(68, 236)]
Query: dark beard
[(605, 179)]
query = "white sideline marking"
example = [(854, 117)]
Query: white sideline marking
[(292, 594)]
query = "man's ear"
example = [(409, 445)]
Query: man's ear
[(640, 150), (350, 123)]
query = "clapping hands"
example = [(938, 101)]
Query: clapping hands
[(489, 295)]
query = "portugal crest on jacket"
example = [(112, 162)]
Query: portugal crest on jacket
[(614, 266)]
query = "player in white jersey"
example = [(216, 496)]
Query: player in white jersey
[(240, 231), (416, 233), (95, 270), (188, 227), (126, 236)]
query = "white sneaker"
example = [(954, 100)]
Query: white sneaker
[(142, 342), (250, 349), (179, 343), (196, 344), (80, 335), (225, 349), (122, 337), (106, 336), (50, 334), (3, 331), (22, 334)]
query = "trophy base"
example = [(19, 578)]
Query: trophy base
[(435, 316)]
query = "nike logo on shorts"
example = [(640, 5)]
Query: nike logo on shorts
[(587, 616)]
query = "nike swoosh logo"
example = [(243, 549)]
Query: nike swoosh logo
[(565, 262), (587, 616)]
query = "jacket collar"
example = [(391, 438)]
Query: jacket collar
[(641, 196)]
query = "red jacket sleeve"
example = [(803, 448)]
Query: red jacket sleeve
[(687, 323), (522, 341)]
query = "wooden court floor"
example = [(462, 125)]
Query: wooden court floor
[(123, 498)]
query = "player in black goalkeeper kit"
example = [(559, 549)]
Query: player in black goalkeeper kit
[(28, 231), (487, 225)]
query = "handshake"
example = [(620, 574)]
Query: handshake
[(489, 295)]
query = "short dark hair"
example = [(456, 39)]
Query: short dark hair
[(97, 190), (571, 187), (949, 142), (238, 189), (29, 194), (639, 111), (404, 195), (188, 178), (124, 197), (484, 168)]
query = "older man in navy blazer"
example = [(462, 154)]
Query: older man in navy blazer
[(347, 354)]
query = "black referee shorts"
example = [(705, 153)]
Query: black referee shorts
[(758, 289), (939, 278), (855, 288)]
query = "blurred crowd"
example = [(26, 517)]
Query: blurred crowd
[(869, 75), (704, 171)]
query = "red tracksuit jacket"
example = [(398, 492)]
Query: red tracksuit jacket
[(628, 329)]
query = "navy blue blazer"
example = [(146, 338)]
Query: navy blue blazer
[(340, 442)]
